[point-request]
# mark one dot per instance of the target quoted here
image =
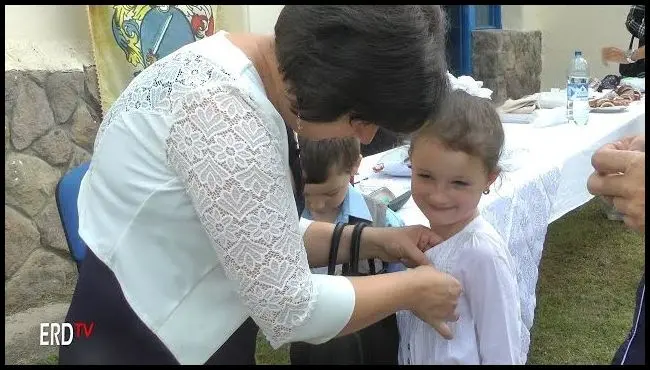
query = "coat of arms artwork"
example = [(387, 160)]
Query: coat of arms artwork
[(129, 38)]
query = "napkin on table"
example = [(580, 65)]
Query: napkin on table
[(525, 105)]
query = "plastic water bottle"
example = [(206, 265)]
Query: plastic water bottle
[(577, 90)]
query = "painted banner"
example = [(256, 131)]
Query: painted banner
[(129, 38)]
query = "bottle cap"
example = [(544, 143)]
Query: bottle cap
[(578, 53)]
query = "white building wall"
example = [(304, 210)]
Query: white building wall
[(566, 28)]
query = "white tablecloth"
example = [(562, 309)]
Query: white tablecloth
[(545, 177)]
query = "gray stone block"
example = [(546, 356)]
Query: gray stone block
[(92, 83), (32, 116), (84, 127), (22, 332), (517, 86), (21, 238), (40, 77), (488, 64), (38, 268), (55, 147), (508, 62), (29, 182), (507, 53), (50, 228), (44, 278), (498, 87), (63, 90), (486, 40), (79, 156), (520, 42), (13, 81)]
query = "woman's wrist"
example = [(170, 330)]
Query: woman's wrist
[(410, 286), (317, 239), (401, 288), (371, 241), (378, 296)]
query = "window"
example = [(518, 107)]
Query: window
[(486, 16), (463, 20)]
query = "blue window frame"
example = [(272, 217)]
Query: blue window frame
[(464, 19)]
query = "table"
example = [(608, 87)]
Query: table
[(545, 177)]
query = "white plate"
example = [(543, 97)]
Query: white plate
[(394, 162), (593, 94), (617, 109)]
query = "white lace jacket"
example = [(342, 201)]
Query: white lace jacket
[(189, 201)]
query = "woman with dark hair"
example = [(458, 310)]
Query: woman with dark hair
[(190, 205)]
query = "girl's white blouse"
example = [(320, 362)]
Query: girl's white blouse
[(490, 329)]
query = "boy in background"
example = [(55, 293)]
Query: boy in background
[(327, 167)]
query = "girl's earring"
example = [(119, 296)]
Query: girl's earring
[(486, 191)]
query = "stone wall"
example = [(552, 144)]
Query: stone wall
[(51, 119), (508, 62)]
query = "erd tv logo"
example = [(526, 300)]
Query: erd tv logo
[(62, 334)]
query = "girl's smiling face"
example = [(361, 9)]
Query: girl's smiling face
[(447, 184)]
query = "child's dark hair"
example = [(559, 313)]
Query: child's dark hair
[(320, 157), (468, 124)]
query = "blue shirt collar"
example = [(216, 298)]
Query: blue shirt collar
[(354, 204)]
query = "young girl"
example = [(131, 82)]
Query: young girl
[(454, 160)]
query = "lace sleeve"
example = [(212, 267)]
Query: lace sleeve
[(233, 168)]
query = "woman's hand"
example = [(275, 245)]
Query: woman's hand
[(634, 143), (437, 293), (428, 293), (437, 298), (638, 54), (398, 244), (620, 176), (614, 55)]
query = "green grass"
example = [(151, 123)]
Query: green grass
[(49, 360), (265, 355), (588, 277)]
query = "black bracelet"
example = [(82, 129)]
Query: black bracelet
[(355, 247), (334, 247)]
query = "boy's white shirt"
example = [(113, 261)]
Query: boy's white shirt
[(490, 329)]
